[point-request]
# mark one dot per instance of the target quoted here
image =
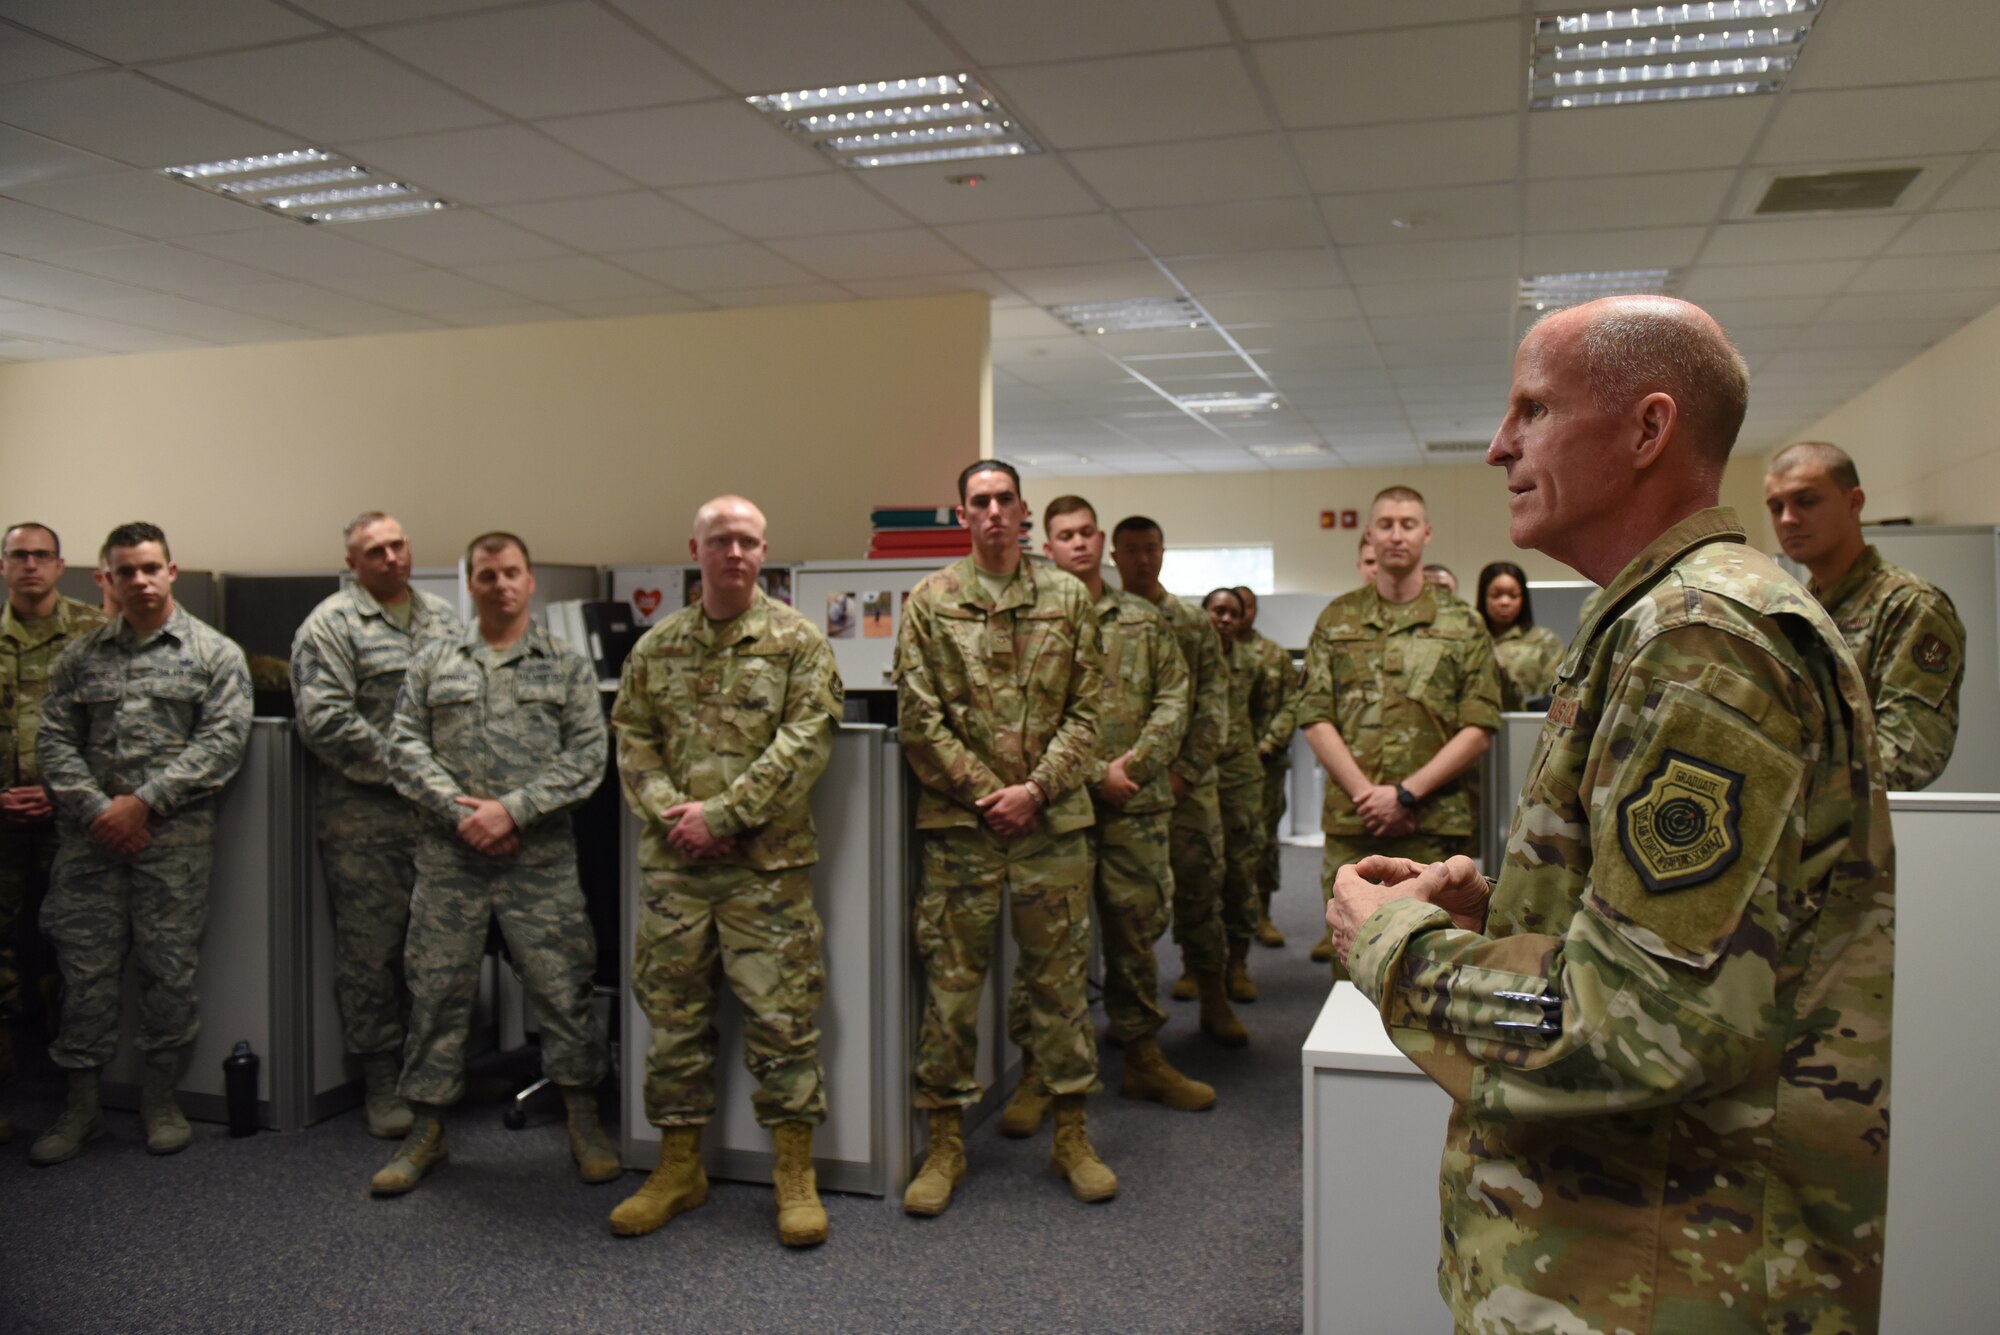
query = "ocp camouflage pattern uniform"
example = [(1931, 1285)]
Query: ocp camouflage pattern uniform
[(993, 693), (523, 726), (1910, 644), (348, 661), (738, 716), (164, 718), (1240, 793), (28, 650), (1669, 1051), (1199, 854), (1274, 704), (1526, 660)]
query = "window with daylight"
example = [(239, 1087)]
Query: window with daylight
[(1192, 571)]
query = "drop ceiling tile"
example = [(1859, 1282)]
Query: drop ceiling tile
[(1433, 297), (1765, 312), (1393, 329), (1274, 271), (122, 116), (1029, 323), (691, 145), (1909, 42), (193, 319), (146, 203), (1030, 30), (926, 285), (1027, 187), (1428, 215), (317, 308), (492, 316), (1773, 242), (26, 158), (161, 267), (1903, 334), (737, 264), (1214, 229), (791, 294), (1601, 141), (1318, 360), (634, 220), (1978, 188), (1407, 261), (1251, 310), (1158, 353), (1201, 171), (27, 230), (26, 56), (309, 253), (553, 60), (1090, 282), (453, 236), (1134, 99), (362, 13), (1298, 18), (425, 291), (892, 254), (1652, 200), (794, 206), (1816, 278), (1040, 351), (1342, 332), (38, 350), (47, 285), (1633, 248), (1418, 154), (782, 44), (310, 89), (1084, 239), (661, 302), (1459, 69), (495, 164), (564, 280), (93, 332), (1947, 233), (1955, 303), (1923, 120), (127, 31), (1918, 272)]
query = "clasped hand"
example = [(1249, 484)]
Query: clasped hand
[(1010, 811), (122, 826), (1360, 888), (489, 828), (1383, 815), (688, 833)]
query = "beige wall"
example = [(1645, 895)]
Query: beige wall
[(595, 440), (1925, 438)]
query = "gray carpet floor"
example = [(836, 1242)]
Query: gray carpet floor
[(279, 1233)]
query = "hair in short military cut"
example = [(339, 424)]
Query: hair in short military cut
[(131, 535), (1065, 505), (12, 529), (359, 522), (1399, 493), (1136, 524), (978, 466), (494, 543), (1823, 455), (1637, 346)]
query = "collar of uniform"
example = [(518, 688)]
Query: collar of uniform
[(1020, 592), (1379, 611), (534, 641), (752, 623), (1718, 523), (1110, 604), (1843, 588), (62, 621), (175, 627)]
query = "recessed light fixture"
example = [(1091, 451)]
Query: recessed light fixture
[(1222, 401), (1553, 291), (1666, 53), (1298, 451), (1127, 317), (897, 122), (350, 193)]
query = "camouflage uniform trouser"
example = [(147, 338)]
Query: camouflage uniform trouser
[(1342, 849), (27, 851), (1199, 860), (151, 906), (369, 860), (760, 927), (1046, 878), (1277, 783), (1243, 851), (541, 913)]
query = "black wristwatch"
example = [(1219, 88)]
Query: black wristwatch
[(1406, 797)]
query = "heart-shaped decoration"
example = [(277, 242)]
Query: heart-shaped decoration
[(646, 600)]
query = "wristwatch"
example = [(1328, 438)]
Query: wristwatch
[(1406, 797), (1041, 798)]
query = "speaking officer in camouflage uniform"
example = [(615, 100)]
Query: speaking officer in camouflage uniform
[(498, 733), (1274, 718), (999, 674), (1138, 549), (725, 720), (348, 661), (1240, 790), (1666, 1029), (1400, 701), (1141, 718), (37, 624), (1904, 633), (146, 718)]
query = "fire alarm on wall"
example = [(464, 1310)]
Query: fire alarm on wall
[(1349, 518), (1326, 519)]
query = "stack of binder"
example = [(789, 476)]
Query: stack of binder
[(920, 531)]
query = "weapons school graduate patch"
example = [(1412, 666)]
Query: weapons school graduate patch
[(1680, 827)]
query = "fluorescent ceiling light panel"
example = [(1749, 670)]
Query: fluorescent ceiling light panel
[(1227, 401), (352, 193), (1298, 451), (262, 163), (1553, 291), (1666, 53), (1128, 317), (897, 122)]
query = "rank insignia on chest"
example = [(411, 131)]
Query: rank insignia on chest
[(1679, 828), (1931, 654)]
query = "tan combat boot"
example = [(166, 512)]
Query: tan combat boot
[(1149, 1076), (1237, 977), (1218, 1021), (1072, 1156), (388, 1115), (675, 1186), (596, 1159), (82, 1121), (1267, 931), (167, 1131), (801, 1218), (422, 1150), (929, 1193), (1185, 988), (1024, 1112), (1323, 952)]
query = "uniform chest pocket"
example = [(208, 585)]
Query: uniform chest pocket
[(178, 689), (99, 690), (1355, 659), (1048, 648), (452, 692), (961, 662)]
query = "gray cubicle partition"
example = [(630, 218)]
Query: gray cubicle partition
[(1506, 771)]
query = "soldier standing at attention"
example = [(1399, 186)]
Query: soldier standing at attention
[(999, 675), (498, 733), (1138, 549), (1400, 702), (1273, 718), (36, 626), (1140, 720), (1240, 792), (348, 661), (1526, 655), (146, 718), (725, 720), (1666, 1030), (1905, 633)]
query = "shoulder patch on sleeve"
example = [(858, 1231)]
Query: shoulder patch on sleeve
[(1931, 653), (1682, 825)]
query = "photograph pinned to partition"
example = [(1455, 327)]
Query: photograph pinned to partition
[(690, 587), (840, 616), (876, 616), (778, 585)]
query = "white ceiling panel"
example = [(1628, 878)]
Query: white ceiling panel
[(1647, 200), (660, 302), (361, 13), (791, 294), (316, 308), (1135, 99), (93, 332), (691, 145), (563, 280), (1916, 273), (26, 157), (1411, 261), (27, 230), (503, 59), (1717, 283), (426, 291), (712, 268), (1216, 229), (310, 88), (908, 250), (1035, 186), (1904, 334), (1276, 270), (454, 236), (161, 267), (1432, 297), (123, 116), (1280, 308), (1395, 329), (1954, 303), (1978, 188), (1028, 322), (495, 164), (1427, 215), (41, 350), (781, 44), (1768, 241), (1201, 171), (1883, 122), (1961, 230), (793, 206), (1030, 30), (1461, 69), (1084, 239), (1398, 157), (1909, 41), (1765, 312), (1298, 18), (26, 56), (1090, 282), (1633, 248), (146, 203), (634, 220), (199, 320), (925, 285), (1664, 137), (532, 313), (133, 30), (309, 253)]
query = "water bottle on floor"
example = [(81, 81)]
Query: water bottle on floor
[(239, 1081)]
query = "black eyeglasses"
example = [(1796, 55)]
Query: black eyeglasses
[(22, 556)]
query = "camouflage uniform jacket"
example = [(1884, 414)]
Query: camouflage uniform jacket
[(738, 717), (1208, 726), (1144, 709), (27, 651), (1274, 700), (1527, 662), (165, 719), (992, 694), (348, 661), (1911, 646), (1669, 1050), (521, 725), (1238, 764), (1398, 681)]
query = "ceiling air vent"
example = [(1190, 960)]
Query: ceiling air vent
[(1456, 449), (1836, 192)]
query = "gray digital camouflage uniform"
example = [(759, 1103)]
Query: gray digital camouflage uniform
[(738, 716), (348, 661), (1669, 1049), (165, 719), (521, 725), (1199, 854)]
